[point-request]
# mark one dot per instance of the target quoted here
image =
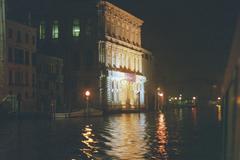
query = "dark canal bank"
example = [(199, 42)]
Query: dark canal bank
[(177, 134)]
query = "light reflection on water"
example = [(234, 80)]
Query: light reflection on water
[(178, 134), (162, 136)]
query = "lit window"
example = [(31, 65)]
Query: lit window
[(76, 28), (55, 30), (42, 30)]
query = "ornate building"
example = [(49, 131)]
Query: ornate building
[(120, 56)]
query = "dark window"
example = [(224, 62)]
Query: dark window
[(27, 57), (26, 38), (26, 79), (33, 79), (18, 78), (33, 59), (26, 94), (10, 33), (46, 85), (33, 40), (10, 80), (19, 37), (10, 54), (88, 59), (19, 56), (33, 94)]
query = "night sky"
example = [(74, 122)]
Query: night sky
[(190, 40)]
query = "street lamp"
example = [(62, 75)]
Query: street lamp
[(194, 100), (87, 94), (160, 99)]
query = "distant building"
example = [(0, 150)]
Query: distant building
[(49, 83), (231, 101), (20, 72)]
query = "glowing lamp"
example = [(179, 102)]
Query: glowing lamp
[(87, 93), (219, 98), (160, 94), (194, 98)]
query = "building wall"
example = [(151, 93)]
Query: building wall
[(49, 83), (120, 55), (20, 72), (2, 50), (231, 106)]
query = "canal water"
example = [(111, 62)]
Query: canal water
[(176, 134)]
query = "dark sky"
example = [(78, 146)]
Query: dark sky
[(189, 39)]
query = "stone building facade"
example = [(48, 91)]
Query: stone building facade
[(120, 57), (49, 83), (20, 70)]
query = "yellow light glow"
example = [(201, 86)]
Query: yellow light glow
[(160, 94), (87, 93), (194, 98)]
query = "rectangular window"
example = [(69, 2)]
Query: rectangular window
[(26, 57), (19, 56), (19, 37), (33, 79), (26, 38), (10, 54), (55, 30), (76, 28), (26, 79), (10, 33), (42, 30), (10, 80), (33, 40)]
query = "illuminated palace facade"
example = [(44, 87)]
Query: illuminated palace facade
[(120, 56)]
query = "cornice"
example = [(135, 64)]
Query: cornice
[(116, 11)]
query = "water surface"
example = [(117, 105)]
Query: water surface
[(177, 134)]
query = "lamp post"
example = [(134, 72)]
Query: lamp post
[(194, 100), (161, 99), (87, 94)]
